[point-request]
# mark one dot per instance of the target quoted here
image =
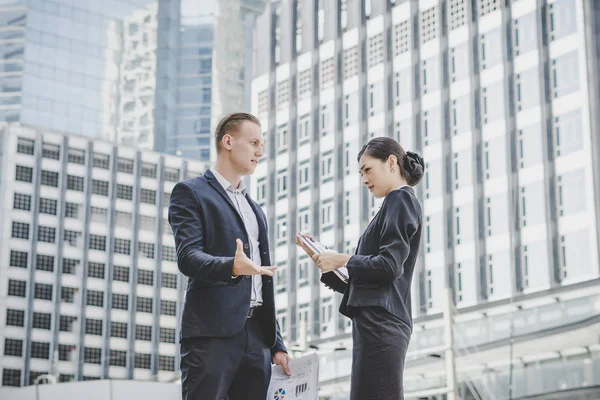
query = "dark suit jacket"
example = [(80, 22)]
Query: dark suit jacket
[(381, 270), (206, 225)]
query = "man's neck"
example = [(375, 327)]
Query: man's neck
[(228, 173)]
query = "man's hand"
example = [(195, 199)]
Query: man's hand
[(330, 261), (242, 265), (282, 358)]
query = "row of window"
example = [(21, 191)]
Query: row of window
[(77, 156)]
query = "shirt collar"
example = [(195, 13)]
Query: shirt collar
[(227, 185)]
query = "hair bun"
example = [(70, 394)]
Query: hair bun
[(414, 166)]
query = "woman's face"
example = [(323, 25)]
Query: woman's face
[(377, 175)]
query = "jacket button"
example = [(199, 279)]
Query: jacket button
[(246, 246), (248, 276)]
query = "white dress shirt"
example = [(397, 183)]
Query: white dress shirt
[(238, 198)]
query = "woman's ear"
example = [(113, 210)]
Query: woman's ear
[(392, 161)]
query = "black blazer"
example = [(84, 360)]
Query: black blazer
[(206, 224), (381, 270)]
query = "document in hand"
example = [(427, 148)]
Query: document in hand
[(302, 385), (337, 279)]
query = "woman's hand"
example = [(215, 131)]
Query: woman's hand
[(330, 261)]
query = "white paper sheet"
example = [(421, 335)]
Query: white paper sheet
[(302, 385)]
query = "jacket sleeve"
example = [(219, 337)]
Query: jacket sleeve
[(186, 219), (279, 346), (398, 221)]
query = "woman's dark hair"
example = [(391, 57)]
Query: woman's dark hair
[(411, 165)]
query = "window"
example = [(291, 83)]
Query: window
[(168, 308), (44, 263), (493, 103), (459, 62), (101, 161), (144, 304), (50, 178), (491, 48), (167, 335), (327, 170), (51, 151), (304, 83), (92, 355), (124, 192), (42, 291), (350, 62), (95, 298), (261, 188), (96, 270), (568, 133), (497, 214), (72, 210), (429, 24), (402, 91), (148, 196), (303, 271), (99, 214), (125, 165), (431, 126), (24, 174), (118, 329), (327, 73), (281, 230), (327, 215), (533, 203), (25, 146), (120, 301), (75, 183), (571, 193), (528, 89), (66, 323), (13, 347), (142, 361), (97, 242), (42, 320), (18, 259), (11, 377), (20, 231), (122, 246), (282, 184), (562, 18), (76, 156), (460, 118), (282, 139), (99, 187), (64, 352), (143, 332), (120, 273), (40, 350), (48, 206), (525, 33), (171, 174), (71, 238), (123, 218), (46, 234), (16, 288), (168, 280), (375, 50), (93, 327), (530, 148), (15, 317), (22, 202), (145, 277), (67, 294), (431, 75), (69, 266), (169, 254), (149, 170), (458, 13), (565, 74), (304, 176), (166, 363), (148, 223), (118, 358)]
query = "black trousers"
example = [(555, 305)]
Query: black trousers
[(231, 368), (380, 341)]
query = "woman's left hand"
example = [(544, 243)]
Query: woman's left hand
[(330, 261)]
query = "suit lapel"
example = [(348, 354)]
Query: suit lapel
[(217, 186)]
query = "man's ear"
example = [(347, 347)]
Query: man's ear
[(226, 142)]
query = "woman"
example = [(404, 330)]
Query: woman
[(378, 296)]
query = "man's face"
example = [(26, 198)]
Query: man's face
[(245, 148)]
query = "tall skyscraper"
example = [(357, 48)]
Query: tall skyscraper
[(501, 99), (89, 284), (152, 74)]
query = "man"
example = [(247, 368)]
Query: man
[(229, 334)]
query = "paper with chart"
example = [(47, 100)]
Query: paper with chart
[(302, 385)]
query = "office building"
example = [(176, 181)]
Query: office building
[(151, 74), (89, 284), (501, 99)]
